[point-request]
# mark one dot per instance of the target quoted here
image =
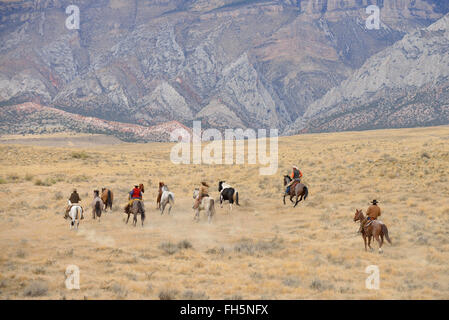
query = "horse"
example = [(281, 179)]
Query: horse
[(159, 195), (376, 229), (137, 208), (228, 193), (207, 204), (167, 197), (75, 215), (97, 205), (299, 189), (107, 197)]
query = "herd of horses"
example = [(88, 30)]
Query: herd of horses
[(375, 229)]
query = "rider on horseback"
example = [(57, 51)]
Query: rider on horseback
[(296, 177), (134, 194), (372, 213), (74, 200), (204, 192)]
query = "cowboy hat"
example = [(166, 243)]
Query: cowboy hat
[(374, 202), (295, 167), (204, 184)]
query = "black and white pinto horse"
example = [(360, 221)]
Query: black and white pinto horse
[(228, 193)]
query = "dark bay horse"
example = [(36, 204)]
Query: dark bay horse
[(298, 190), (97, 205), (159, 195), (107, 197), (375, 229)]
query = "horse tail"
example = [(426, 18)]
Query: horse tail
[(98, 208), (306, 192), (171, 198), (109, 201), (212, 208), (385, 232), (237, 198)]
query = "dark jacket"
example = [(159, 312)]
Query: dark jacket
[(74, 197)]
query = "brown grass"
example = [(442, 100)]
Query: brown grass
[(262, 249)]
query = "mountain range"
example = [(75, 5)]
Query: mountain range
[(134, 67)]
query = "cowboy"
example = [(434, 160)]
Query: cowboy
[(296, 177), (74, 200), (204, 192), (134, 194), (371, 214)]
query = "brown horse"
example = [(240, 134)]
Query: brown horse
[(298, 190), (375, 229), (107, 197), (159, 195)]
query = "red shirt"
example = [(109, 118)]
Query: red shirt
[(136, 194)]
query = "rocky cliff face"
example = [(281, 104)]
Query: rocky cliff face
[(404, 85), (228, 63)]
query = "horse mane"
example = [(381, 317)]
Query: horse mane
[(142, 188)]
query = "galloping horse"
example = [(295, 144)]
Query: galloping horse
[(299, 189), (374, 229), (207, 204), (75, 215), (167, 197), (137, 208), (227, 193), (97, 206), (107, 197), (159, 195)]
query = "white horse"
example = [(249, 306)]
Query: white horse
[(167, 197), (207, 204), (75, 215)]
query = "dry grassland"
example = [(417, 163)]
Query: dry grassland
[(261, 250)]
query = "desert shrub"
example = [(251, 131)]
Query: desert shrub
[(168, 247), (20, 253), (171, 248), (184, 244), (291, 282), (320, 285), (219, 251), (13, 177), (119, 290), (81, 178), (168, 294), (36, 289), (3, 181), (59, 195), (39, 270), (191, 295), (29, 177), (79, 155), (248, 246), (425, 155)]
